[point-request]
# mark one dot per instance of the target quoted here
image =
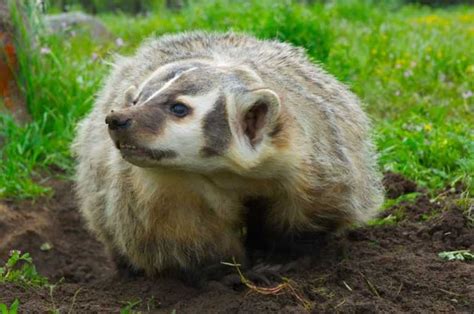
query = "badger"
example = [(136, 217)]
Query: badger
[(190, 129)]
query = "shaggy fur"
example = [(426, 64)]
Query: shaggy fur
[(283, 130)]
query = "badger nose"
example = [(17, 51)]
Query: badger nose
[(116, 121)]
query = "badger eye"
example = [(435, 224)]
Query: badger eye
[(179, 110)]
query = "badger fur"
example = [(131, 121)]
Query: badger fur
[(193, 125)]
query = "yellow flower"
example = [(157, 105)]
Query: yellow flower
[(428, 127), (432, 19), (466, 18)]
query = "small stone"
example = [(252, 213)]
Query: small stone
[(46, 246)]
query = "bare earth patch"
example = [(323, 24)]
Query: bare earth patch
[(382, 268)]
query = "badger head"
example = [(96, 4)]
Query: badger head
[(198, 116)]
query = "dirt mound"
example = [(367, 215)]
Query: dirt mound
[(384, 268), (396, 185)]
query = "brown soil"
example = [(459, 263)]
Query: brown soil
[(390, 268), (397, 185)]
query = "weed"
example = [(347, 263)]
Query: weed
[(13, 309), (397, 214), (461, 255), (19, 269), (129, 307), (467, 206), (388, 220)]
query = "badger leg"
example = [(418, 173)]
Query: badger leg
[(298, 244), (199, 275), (123, 267), (263, 239), (273, 252), (271, 260)]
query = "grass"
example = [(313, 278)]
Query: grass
[(130, 307), (410, 65), (13, 309), (397, 214), (461, 255), (19, 269)]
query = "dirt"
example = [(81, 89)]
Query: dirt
[(397, 185), (390, 268)]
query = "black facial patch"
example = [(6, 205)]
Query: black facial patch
[(163, 154), (276, 129), (216, 130), (151, 120)]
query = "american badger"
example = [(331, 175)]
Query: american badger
[(194, 125)]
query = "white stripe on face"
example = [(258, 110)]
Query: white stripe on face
[(167, 84), (149, 78)]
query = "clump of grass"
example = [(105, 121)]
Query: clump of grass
[(460, 255), (13, 309), (19, 269), (130, 306), (396, 215), (385, 221)]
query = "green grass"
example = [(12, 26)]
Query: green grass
[(130, 307), (19, 269), (12, 309), (411, 66), (398, 214), (461, 255)]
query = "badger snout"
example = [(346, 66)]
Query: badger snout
[(120, 127), (118, 121), (132, 129)]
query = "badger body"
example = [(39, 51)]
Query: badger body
[(193, 125)]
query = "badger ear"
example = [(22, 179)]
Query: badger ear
[(259, 116), (130, 95)]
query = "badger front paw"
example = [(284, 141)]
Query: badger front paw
[(123, 267)]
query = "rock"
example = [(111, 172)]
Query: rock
[(65, 21)]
